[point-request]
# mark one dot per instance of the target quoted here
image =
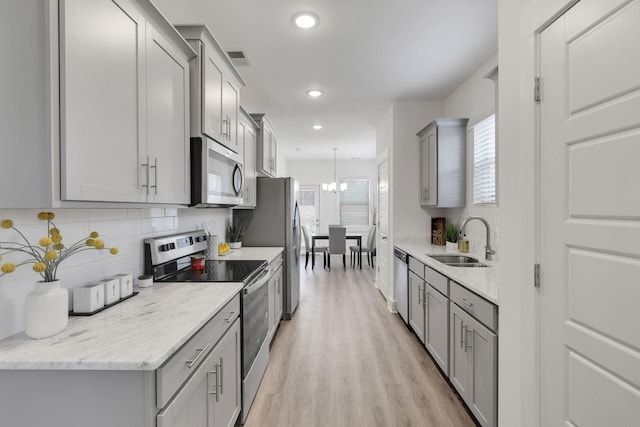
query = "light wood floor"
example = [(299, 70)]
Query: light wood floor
[(345, 360)]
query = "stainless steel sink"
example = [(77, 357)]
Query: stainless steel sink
[(458, 260)]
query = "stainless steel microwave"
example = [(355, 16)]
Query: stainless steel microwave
[(217, 175)]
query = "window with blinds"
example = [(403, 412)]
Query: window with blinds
[(484, 161), (354, 203)]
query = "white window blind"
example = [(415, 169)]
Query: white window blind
[(354, 203), (484, 161)]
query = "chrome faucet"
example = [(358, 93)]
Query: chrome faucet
[(488, 251)]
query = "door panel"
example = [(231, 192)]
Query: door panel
[(590, 215), (458, 359), (483, 390), (416, 307), (436, 329), (211, 96), (309, 206)]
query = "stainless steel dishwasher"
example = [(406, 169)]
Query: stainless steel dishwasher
[(400, 282)]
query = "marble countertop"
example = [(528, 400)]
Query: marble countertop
[(140, 333), (483, 281), (253, 253)]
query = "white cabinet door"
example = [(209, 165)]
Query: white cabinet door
[(212, 77), (274, 154), (167, 122), (102, 68), (226, 359), (437, 327), (416, 305)]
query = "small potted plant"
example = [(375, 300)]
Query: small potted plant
[(451, 234), (236, 231)]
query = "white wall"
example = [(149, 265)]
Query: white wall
[(316, 172), (475, 99), (518, 403), (123, 228), (409, 117)]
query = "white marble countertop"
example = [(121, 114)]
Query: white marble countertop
[(481, 280), (140, 333), (253, 253)]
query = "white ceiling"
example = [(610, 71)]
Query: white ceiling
[(364, 55)]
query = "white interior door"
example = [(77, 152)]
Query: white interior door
[(309, 205), (590, 216)]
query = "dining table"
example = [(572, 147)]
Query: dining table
[(325, 236)]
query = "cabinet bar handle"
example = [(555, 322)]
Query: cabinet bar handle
[(214, 389), (198, 356), (155, 173), (419, 294), (465, 302), (146, 165), (469, 344), (232, 316), (462, 335), (425, 300), (221, 376)]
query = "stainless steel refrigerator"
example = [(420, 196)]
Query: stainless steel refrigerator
[(276, 222)]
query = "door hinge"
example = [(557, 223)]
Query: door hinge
[(536, 275), (536, 89)]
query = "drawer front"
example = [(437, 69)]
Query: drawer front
[(437, 280), (483, 310), (416, 266), (185, 361)]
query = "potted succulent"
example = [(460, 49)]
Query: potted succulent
[(236, 231), (451, 234), (47, 306)]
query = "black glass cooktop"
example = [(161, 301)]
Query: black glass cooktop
[(219, 271)]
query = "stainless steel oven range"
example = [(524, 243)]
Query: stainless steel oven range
[(168, 259)]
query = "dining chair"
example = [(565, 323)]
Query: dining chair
[(370, 248), (337, 244), (307, 244)]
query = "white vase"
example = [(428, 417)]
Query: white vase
[(452, 247), (235, 245), (47, 310)]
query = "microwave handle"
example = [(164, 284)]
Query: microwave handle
[(237, 187)]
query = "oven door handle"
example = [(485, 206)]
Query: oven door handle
[(258, 283)]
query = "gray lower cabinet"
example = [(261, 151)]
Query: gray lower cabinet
[(211, 396), (473, 365), (437, 326), (276, 298), (198, 386), (429, 316), (416, 306)]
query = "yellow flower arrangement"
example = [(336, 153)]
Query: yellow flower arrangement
[(51, 251)]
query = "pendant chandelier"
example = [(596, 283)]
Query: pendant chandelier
[(333, 186)]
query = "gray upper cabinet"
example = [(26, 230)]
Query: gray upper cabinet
[(247, 140), (443, 155), (83, 110), (215, 89), (267, 147)]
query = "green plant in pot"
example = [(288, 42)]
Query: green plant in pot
[(236, 231), (451, 234)]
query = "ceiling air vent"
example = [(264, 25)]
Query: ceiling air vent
[(238, 58)]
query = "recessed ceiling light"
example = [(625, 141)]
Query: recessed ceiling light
[(305, 20), (314, 93), (317, 127)]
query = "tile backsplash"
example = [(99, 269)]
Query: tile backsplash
[(123, 228)]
